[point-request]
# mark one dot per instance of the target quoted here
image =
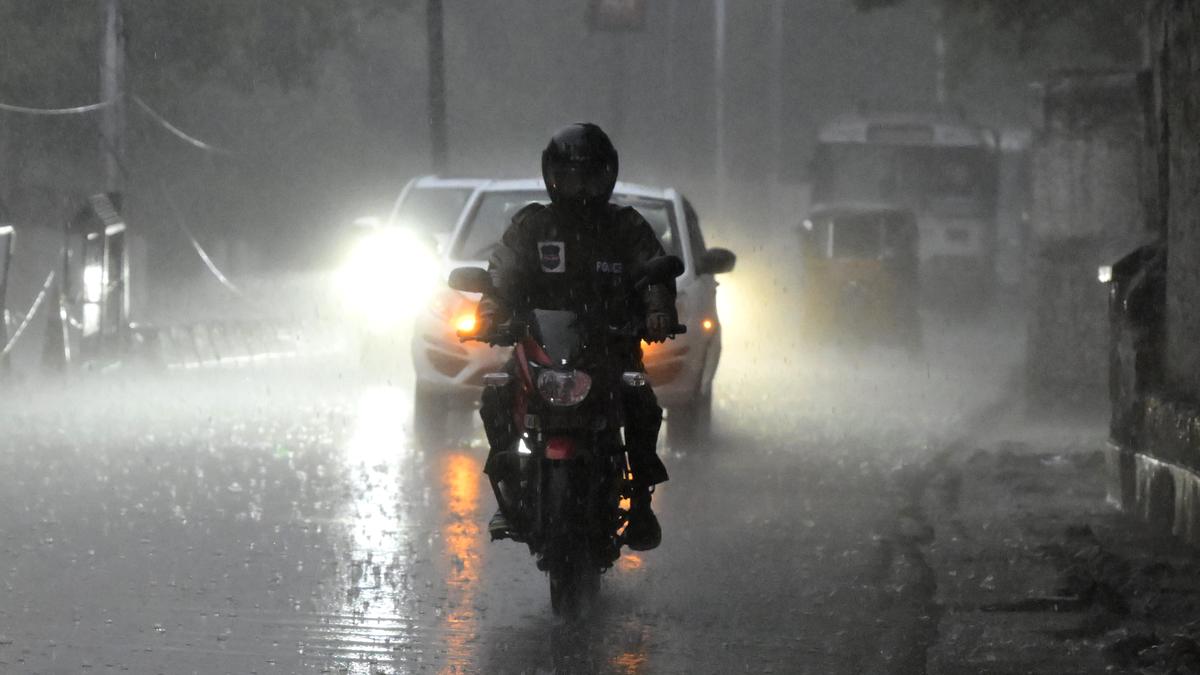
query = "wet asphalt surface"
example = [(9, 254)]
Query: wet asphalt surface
[(272, 521)]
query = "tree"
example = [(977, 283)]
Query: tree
[(50, 48), (50, 53), (1110, 28)]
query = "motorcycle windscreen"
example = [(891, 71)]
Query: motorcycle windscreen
[(560, 334)]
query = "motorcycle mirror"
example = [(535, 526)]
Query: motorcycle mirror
[(659, 270), (717, 261), (470, 280)]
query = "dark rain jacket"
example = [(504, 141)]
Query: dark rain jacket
[(549, 259)]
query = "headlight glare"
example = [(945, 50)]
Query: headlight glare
[(388, 276)]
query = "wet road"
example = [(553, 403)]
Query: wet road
[(259, 523)]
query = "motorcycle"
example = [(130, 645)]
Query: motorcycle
[(566, 486)]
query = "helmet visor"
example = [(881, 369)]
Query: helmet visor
[(582, 181)]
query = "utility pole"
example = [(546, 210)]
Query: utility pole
[(9, 161), (112, 89), (939, 53), (669, 90), (777, 144), (437, 85), (719, 102), (619, 62)]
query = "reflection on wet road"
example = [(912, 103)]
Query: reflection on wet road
[(366, 622), (282, 524), (463, 554), (395, 564)]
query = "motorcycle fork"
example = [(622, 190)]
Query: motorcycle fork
[(602, 489), (572, 488)]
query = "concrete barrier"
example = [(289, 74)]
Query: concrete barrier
[(1158, 479)]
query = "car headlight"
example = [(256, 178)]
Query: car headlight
[(564, 388), (389, 276), (729, 301)]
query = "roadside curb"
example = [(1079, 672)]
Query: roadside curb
[(912, 610), (1165, 495), (1037, 573)]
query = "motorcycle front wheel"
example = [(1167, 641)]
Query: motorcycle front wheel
[(574, 583), (574, 576)]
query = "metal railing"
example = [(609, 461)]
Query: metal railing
[(233, 344)]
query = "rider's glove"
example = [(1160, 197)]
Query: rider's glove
[(658, 327), (491, 328), (483, 325)]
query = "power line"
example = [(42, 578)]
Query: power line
[(179, 133), (141, 103), (203, 255), (33, 309), (78, 110)]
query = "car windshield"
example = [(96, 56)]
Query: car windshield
[(947, 181), (494, 212), (432, 210), (850, 235)]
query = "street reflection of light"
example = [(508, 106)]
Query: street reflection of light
[(629, 562), (373, 456), (630, 663), (633, 660), (379, 434), (461, 532), (370, 611), (461, 480)]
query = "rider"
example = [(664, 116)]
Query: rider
[(575, 254)]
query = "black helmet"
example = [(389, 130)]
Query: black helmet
[(579, 166)]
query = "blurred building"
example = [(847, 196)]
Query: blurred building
[(1087, 209), (1155, 463)]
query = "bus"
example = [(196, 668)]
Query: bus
[(942, 169)]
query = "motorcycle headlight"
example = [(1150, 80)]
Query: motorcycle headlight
[(564, 387)]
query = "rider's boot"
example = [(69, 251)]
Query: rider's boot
[(498, 526), (643, 533)]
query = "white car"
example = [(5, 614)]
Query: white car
[(449, 374)]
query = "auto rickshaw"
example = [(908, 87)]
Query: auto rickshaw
[(860, 266)]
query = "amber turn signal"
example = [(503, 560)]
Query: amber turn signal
[(465, 324)]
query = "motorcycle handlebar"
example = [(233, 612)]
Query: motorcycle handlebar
[(640, 333), (507, 334), (504, 335)]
